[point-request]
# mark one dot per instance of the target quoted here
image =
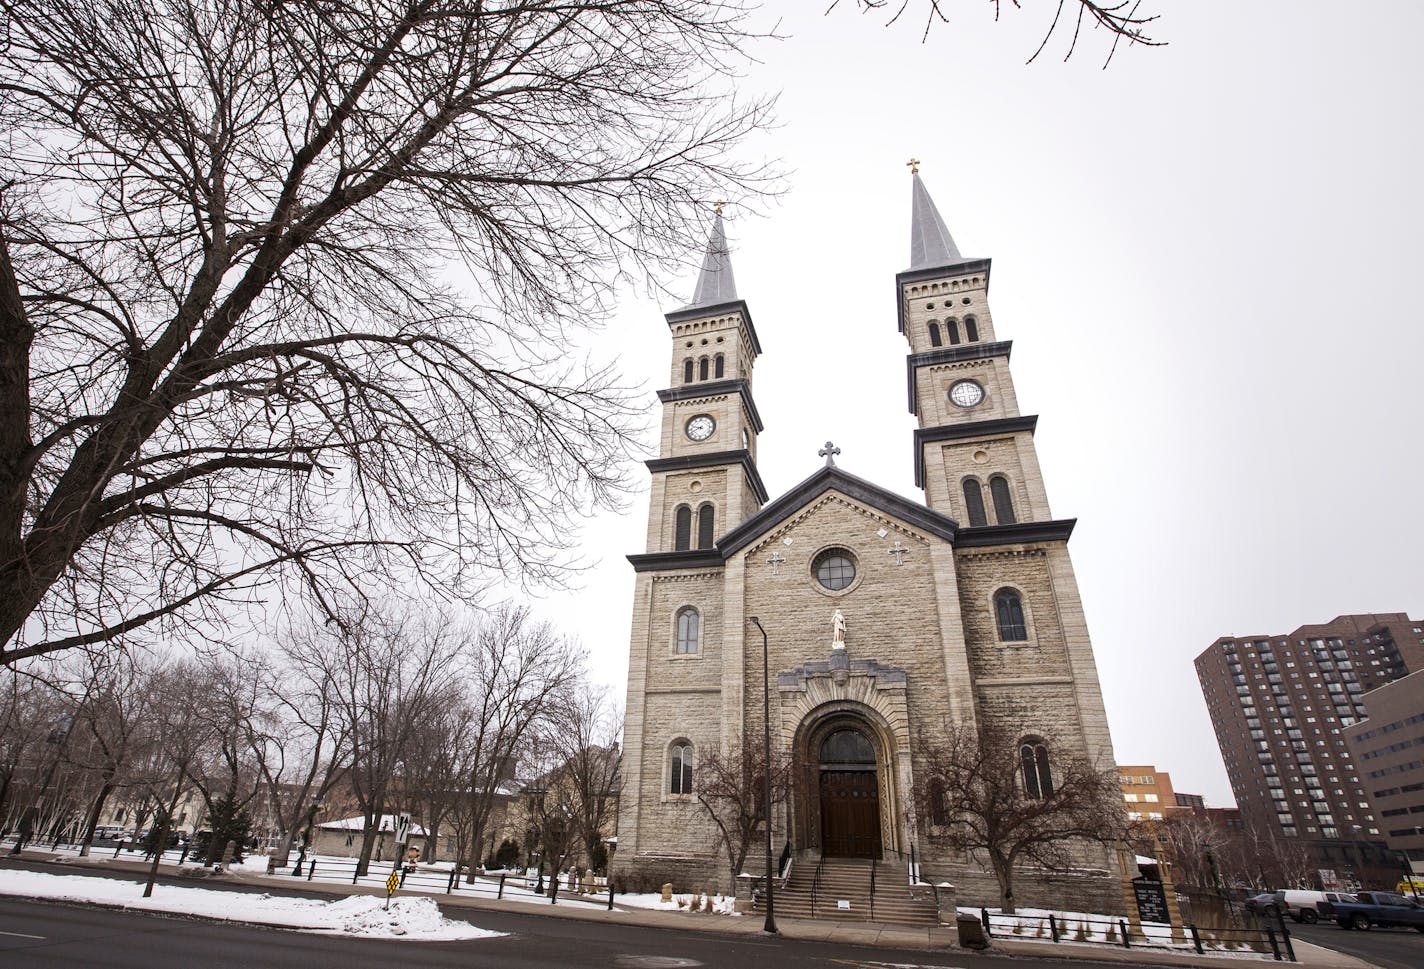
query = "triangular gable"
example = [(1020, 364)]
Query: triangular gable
[(834, 479)]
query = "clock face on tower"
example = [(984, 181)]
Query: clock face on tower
[(966, 393), (700, 428)]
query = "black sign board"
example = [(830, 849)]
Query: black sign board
[(1151, 901)]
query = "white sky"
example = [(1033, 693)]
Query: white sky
[(1205, 258)]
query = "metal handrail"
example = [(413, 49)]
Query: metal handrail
[(873, 863), (816, 884)]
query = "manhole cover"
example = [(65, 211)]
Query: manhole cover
[(653, 962)]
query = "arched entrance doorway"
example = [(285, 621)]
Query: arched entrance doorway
[(849, 795)]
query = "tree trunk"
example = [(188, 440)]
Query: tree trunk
[(1004, 872), (92, 820)]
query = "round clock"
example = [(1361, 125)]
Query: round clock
[(700, 428), (966, 393)]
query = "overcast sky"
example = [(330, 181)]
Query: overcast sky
[(1207, 258)]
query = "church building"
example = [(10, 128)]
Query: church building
[(888, 619)]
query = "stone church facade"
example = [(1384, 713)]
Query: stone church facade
[(887, 619)]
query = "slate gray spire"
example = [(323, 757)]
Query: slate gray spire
[(931, 245), (715, 284)]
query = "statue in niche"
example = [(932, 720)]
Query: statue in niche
[(837, 630)]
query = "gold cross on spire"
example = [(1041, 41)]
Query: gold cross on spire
[(914, 164), (717, 206)]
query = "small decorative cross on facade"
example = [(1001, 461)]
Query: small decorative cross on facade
[(914, 164), (898, 551), (775, 562), (829, 452)]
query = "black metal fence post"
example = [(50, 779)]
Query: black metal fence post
[(984, 917), (450, 885), (1271, 937), (1196, 938), (312, 870), (554, 888), (1053, 926), (1126, 941), (610, 894), (501, 886), (355, 873)]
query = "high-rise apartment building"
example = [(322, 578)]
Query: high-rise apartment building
[(1388, 746), (1279, 705)]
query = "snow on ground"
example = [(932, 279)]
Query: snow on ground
[(716, 904), (1031, 925), (417, 919)]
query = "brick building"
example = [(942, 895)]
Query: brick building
[(1146, 792), (1388, 747), (1280, 705), (885, 618)]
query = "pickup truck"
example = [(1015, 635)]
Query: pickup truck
[(1375, 908)]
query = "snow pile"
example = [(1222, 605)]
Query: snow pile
[(366, 915), (409, 918)]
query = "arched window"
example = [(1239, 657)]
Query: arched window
[(681, 780), (939, 815), (971, 329), (1003, 502), (1008, 610), (705, 516), (951, 329), (687, 371), (721, 366), (847, 746), (689, 626), (934, 335), (682, 532), (974, 502), (1037, 775), (702, 369)]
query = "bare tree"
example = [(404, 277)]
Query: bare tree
[(287, 289), (970, 786), (587, 724), (1123, 20), (516, 668), (730, 784)]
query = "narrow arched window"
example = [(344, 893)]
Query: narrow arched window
[(951, 329), (721, 367), (971, 329), (934, 336), (681, 779), (1008, 610), (1003, 501), (1037, 775), (682, 532), (702, 369), (687, 371), (974, 502), (705, 516), (689, 626)]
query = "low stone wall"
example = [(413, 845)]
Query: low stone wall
[(1078, 892), (648, 873)]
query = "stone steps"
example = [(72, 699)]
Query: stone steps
[(848, 880)]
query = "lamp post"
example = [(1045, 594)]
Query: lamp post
[(770, 925)]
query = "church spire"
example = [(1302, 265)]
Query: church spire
[(715, 284), (931, 245)]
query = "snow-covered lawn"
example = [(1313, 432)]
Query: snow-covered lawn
[(360, 915), (1031, 925), (716, 904)]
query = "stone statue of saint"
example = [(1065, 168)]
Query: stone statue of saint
[(837, 630)]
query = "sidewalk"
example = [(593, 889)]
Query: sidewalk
[(937, 938)]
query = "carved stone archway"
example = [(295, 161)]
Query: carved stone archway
[(821, 697)]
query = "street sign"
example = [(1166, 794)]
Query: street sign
[(393, 883), (402, 827)]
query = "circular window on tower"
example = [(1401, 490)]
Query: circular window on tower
[(966, 393), (834, 569)]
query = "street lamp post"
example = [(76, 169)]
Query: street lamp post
[(770, 925)]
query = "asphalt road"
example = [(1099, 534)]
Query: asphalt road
[(36, 935), (1386, 948)]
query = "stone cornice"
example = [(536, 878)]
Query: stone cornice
[(701, 558), (687, 462), (970, 431), (1021, 533), (716, 388), (968, 267), (941, 355), (721, 309)]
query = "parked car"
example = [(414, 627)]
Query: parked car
[(1303, 905), (112, 833), (1263, 904), (1375, 908)]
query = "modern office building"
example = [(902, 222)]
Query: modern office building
[(1280, 705), (1388, 748)]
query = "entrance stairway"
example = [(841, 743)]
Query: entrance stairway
[(848, 880)]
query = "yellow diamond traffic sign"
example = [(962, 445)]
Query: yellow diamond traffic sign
[(392, 883)]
